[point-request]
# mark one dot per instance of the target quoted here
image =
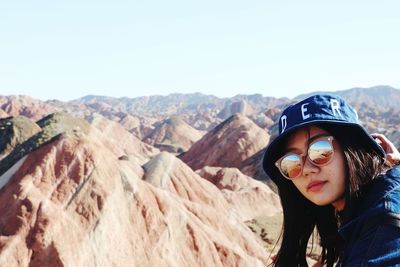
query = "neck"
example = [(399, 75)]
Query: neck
[(339, 204)]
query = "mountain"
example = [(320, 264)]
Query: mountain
[(173, 135), (227, 145), (198, 110), (72, 202), (243, 192), (120, 141), (14, 131), (156, 105), (241, 107), (49, 128), (25, 106)]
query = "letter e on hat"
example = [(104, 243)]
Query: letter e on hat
[(304, 110)]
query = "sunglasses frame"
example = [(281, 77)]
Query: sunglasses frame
[(328, 138)]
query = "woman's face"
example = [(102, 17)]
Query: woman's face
[(321, 185)]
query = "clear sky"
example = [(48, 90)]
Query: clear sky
[(67, 49)]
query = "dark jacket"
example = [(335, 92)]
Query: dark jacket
[(372, 235)]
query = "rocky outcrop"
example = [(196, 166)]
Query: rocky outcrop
[(227, 145), (14, 131), (231, 109), (25, 106), (3, 114), (173, 135), (120, 141), (130, 123), (249, 197), (51, 126)]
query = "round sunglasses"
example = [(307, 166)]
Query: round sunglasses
[(320, 152)]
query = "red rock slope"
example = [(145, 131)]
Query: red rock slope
[(173, 135), (25, 106), (227, 145), (72, 203), (251, 198)]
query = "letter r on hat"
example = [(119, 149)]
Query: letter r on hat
[(335, 107)]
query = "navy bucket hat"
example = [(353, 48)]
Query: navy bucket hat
[(317, 109)]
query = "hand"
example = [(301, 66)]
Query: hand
[(392, 154)]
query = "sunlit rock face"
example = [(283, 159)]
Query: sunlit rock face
[(74, 202), (227, 145), (249, 197), (25, 106), (3, 114), (241, 107), (173, 135), (119, 140)]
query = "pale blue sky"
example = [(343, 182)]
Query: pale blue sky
[(68, 49)]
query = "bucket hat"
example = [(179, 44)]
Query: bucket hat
[(317, 109)]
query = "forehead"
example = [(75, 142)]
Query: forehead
[(302, 135)]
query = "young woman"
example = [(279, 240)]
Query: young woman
[(332, 175)]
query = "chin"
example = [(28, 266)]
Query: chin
[(321, 201)]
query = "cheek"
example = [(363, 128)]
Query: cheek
[(301, 185), (338, 171)]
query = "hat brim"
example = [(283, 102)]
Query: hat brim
[(358, 134)]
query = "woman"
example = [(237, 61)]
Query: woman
[(332, 175)]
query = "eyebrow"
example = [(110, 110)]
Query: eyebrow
[(309, 141), (318, 136)]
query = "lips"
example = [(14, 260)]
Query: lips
[(315, 185)]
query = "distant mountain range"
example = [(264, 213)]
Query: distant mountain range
[(377, 106), (381, 97)]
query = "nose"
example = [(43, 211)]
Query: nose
[(309, 168)]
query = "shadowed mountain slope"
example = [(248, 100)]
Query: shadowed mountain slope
[(14, 131), (51, 126)]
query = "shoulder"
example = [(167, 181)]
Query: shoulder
[(393, 172), (379, 246), (375, 229), (383, 194)]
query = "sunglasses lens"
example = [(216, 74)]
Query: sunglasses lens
[(291, 166), (320, 152)]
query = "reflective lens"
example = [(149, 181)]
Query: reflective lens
[(319, 153), (291, 166)]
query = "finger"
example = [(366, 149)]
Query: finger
[(381, 137), (380, 140), (385, 142)]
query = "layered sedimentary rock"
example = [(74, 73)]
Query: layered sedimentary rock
[(227, 145), (72, 202), (120, 141), (173, 135), (249, 197), (241, 107), (25, 106)]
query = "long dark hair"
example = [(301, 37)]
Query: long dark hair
[(301, 216)]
